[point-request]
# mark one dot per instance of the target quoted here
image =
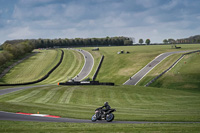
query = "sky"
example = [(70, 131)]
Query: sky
[(141, 19)]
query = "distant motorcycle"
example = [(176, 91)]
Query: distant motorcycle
[(101, 115)]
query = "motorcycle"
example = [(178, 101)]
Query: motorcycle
[(101, 115)]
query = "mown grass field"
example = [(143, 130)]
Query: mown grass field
[(132, 103), (185, 75), (118, 68)]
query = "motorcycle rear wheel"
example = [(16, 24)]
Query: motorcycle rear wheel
[(110, 117)]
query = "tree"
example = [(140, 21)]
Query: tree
[(141, 41), (128, 42), (4, 57), (170, 40), (165, 41), (148, 41)]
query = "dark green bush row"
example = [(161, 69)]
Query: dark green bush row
[(14, 51)]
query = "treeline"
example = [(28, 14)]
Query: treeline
[(77, 42), (192, 39), (14, 51), (189, 40)]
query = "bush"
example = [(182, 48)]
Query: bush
[(5, 57), (14, 51)]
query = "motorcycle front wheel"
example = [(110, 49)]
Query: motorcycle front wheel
[(110, 117), (94, 118)]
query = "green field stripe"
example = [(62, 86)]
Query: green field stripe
[(78, 64), (47, 96), (69, 68), (23, 98), (65, 98), (73, 66), (56, 96), (128, 98), (51, 61), (35, 97), (69, 64), (61, 74)]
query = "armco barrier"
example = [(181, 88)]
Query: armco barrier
[(86, 83), (98, 68), (153, 80), (43, 78)]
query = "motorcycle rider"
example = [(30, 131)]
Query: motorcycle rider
[(104, 109)]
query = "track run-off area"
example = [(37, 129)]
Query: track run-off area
[(88, 65)]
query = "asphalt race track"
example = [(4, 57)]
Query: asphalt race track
[(21, 117), (89, 62), (145, 70), (9, 90), (87, 68)]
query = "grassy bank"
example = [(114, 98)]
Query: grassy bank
[(185, 75), (33, 68), (72, 64), (165, 64), (32, 127), (132, 103), (39, 64)]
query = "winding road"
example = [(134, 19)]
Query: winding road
[(87, 68), (145, 70)]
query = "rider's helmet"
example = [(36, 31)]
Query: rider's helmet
[(105, 103)]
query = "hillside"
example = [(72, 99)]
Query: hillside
[(118, 68), (186, 74)]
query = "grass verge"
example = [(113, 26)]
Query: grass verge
[(32, 127)]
